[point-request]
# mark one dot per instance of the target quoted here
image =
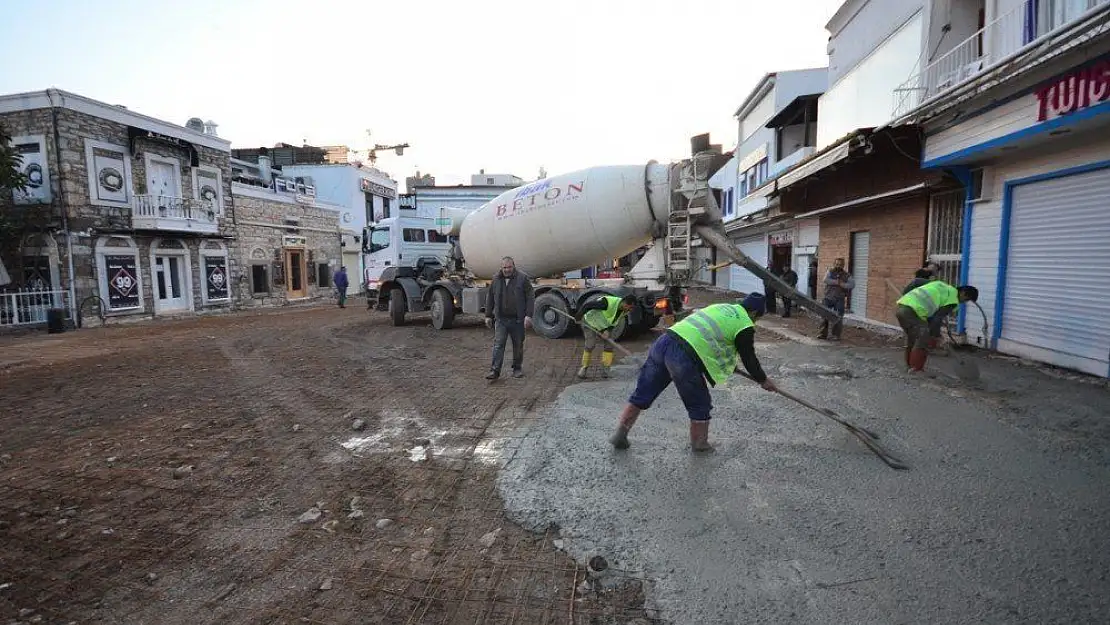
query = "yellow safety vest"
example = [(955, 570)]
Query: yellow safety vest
[(928, 298), (712, 332), (602, 320)]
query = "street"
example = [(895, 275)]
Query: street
[(210, 471), (319, 465)]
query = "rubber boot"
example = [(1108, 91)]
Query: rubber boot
[(585, 365), (699, 437), (619, 439), (606, 362), (917, 359)]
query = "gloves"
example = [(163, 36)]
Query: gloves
[(768, 385), (489, 322)]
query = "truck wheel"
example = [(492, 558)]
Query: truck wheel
[(443, 310), (397, 307), (546, 321)]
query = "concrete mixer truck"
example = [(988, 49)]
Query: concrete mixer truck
[(558, 225)]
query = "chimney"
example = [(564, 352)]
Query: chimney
[(264, 169), (210, 128)]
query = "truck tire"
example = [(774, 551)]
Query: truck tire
[(546, 321), (397, 306), (443, 310)]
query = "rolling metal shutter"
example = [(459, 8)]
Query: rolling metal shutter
[(741, 279), (861, 256), (1058, 273)]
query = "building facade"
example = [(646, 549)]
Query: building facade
[(288, 246), (126, 212), (363, 194), (777, 128), (1019, 112)]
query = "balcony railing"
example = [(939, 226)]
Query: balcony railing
[(1022, 27), (160, 212)]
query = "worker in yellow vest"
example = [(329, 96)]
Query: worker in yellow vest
[(921, 312), (600, 316), (700, 349)]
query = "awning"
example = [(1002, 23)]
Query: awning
[(816, 164), (796, 107), (864, 200)]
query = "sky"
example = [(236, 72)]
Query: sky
[(501, 85)]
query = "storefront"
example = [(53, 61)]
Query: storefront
[(1037, 170)]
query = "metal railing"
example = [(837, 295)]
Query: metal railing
[(1021, 27), (166, 207), (29, 306)]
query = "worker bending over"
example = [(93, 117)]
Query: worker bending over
[(702, 347), (922, 310), (600, 316)]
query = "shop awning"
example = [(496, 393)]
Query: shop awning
[(815, 164), (865, 200)]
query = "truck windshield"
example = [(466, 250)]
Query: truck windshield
[(379, 239)]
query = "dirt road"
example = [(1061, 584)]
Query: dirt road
[(211, 471)]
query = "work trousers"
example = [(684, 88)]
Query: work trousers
[(592, 340), (503, 330), (838, 306), (787, 305), (916, 328), (668, 361)]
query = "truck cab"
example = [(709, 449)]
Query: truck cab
[(397, 242)]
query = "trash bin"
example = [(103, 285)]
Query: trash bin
[(55, 321)]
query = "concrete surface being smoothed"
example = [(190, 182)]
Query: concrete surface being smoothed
[(1002, 518)]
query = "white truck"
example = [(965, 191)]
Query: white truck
[(558, 225)]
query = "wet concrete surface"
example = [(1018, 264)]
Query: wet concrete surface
[(1002, 517)]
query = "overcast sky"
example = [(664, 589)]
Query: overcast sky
[(504, 85)]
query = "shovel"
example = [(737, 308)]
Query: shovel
[(866, 436), (634, 359)]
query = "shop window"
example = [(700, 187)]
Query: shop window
[(259, 284), (324, 275), (117, 260)]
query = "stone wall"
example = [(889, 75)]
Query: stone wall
[(91, 222), (264, 237)]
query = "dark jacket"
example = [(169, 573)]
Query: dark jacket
[(519, 294), (341, 279), (790, 277)]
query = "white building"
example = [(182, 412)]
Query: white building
[(777, 128), (429, 199), (1016, 103), (365, 194)]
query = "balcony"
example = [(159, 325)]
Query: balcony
[(791, 160), (173, 214), (1025, 27)]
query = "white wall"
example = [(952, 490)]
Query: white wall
[(864, 96), (794, 83), (865, 31), (758, 116), (429, 201), (986, 220)]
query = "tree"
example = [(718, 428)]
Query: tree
[(12, 177)]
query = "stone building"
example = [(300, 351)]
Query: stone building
[(126, 208), (288, 246)]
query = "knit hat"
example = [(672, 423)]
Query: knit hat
[(755, 304)]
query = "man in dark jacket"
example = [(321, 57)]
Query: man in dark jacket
[(509, 306), (838, 282), (769, 289), (790, 277), (341, 284)]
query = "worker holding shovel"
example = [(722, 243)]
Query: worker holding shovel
[(699, 349), (600, 316), (922, 310)]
